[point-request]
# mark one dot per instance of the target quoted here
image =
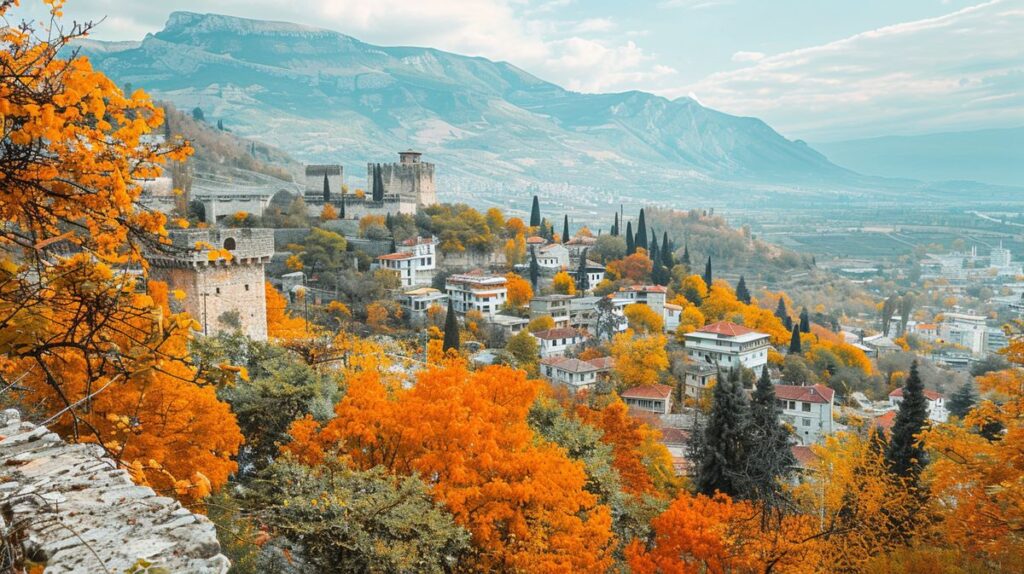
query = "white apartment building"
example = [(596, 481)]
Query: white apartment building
[(555, 305), (936, 404), (650, 295), (417, 301), (808, 409), (476, 291), (968, 331), (575, 374), (415, 261), (555, 342), (553, 256), (728, 346)]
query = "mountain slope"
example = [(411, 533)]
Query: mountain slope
[(324, 96), (993, 156)]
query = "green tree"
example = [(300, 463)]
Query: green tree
[(686, 256), (582, 278), (523, 347), (378, 184), (451, 329), (323, 251), (336, 519), (641, 232), (198, 115), (609, 248), (794, 341), (770, 460), (805, 321), (630, 240), (565, 229), (708, 277), (963, 400), (534, 269), (615, 226), (905, 454), (783, 313), (327, 189), (742, 293), (535, 213), (668, 259), (724, 440)]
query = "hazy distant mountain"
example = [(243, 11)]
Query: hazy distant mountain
[(324, 96), (992, 156)]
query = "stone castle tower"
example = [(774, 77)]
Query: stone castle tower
[(217, 291), (315, 180), (410, 179)]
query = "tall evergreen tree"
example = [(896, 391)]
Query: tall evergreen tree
[(582, 279), (654, 253), (378, 183), (451, 329), (770, 461), (794, 341), (565, 229), (708, 277), (615, 226), (963, 400), (667, 257), (534, 269), (686, 256), (342, 212), (327, 190), (630, 243), (905, 454), (535, 213), (805, 321), (781, 311), (641, 232), (722, 456), (742, 293)]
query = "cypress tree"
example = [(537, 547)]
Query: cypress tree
[(963, 400), (388, 221), (707, 273), (535, 213), (327, 190), (741, 291), (667, 259), (686, 256), (722, 456), (451, 329), (905, 455), (565, 229), (534, 269), (770, 461), (654, 253), (794, 341), (615, 226), (805, 321), (641, 232), (630, 244), (780, 310), (378, 183), (582, 280), (342, 214)]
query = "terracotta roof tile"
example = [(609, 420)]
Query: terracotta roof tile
[(727, 328), (809, 394), (648, 392), (928, 393)]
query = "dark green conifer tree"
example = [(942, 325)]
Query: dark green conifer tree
[(378, 183), (686, 256), (534, 269), (327, 190), (770, 461), (582, 279), (805, 321), (565, 229), (668, 259), (722, 456), (630, 243), (451, 329), (615, 226), (794, 341), (708, 277), (905, 454), (641, 232), (742, 293), (341, 214), (535, 213), (781, 311), (963, 400)]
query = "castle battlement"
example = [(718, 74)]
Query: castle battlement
[(191, 247), (410, 177)]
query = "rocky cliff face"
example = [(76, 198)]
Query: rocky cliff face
[(324, 96), (69, 507)]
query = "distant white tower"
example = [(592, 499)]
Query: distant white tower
[(1000, 257)]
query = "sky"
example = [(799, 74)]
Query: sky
[(820, 70)]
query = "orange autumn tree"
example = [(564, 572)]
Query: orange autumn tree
[(519, 291), (281, 324), (521, 498), (639, 360), (643, 319), (104, 362), (636, 267)]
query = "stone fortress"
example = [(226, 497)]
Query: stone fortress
[(222, 294), (392, 188)]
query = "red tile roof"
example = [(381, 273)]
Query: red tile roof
[(559, 333), (398, 256), (812, 394), (929, 394), (885, 421), (576, 365), (727, 328), (674, 436), (804, 455), (602, 362), (534, 240), (648, 288), (648, 392)]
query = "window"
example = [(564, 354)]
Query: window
[(246, 286), (806, 407), (792, 405), (218, 291), (807, 422)]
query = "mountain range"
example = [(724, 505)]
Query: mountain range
[(326, 97)]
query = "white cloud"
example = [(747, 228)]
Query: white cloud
[(742, 56), (958, 71)]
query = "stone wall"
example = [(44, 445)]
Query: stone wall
[(213, 290), (70, 507)]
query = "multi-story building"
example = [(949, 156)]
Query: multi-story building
[(418, 301), (936, 404), (476, 291), (968, 331), (808, 409), (650, 295), (651, 398), (595, 274), (410, 179), (698, 378), (575, 374), (415, 261), (556, 342), (556, 306), (554, 256), (222, 294), (728, 345)]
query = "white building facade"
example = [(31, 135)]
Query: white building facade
[(808, 409), (728, 345), (477, 292)]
